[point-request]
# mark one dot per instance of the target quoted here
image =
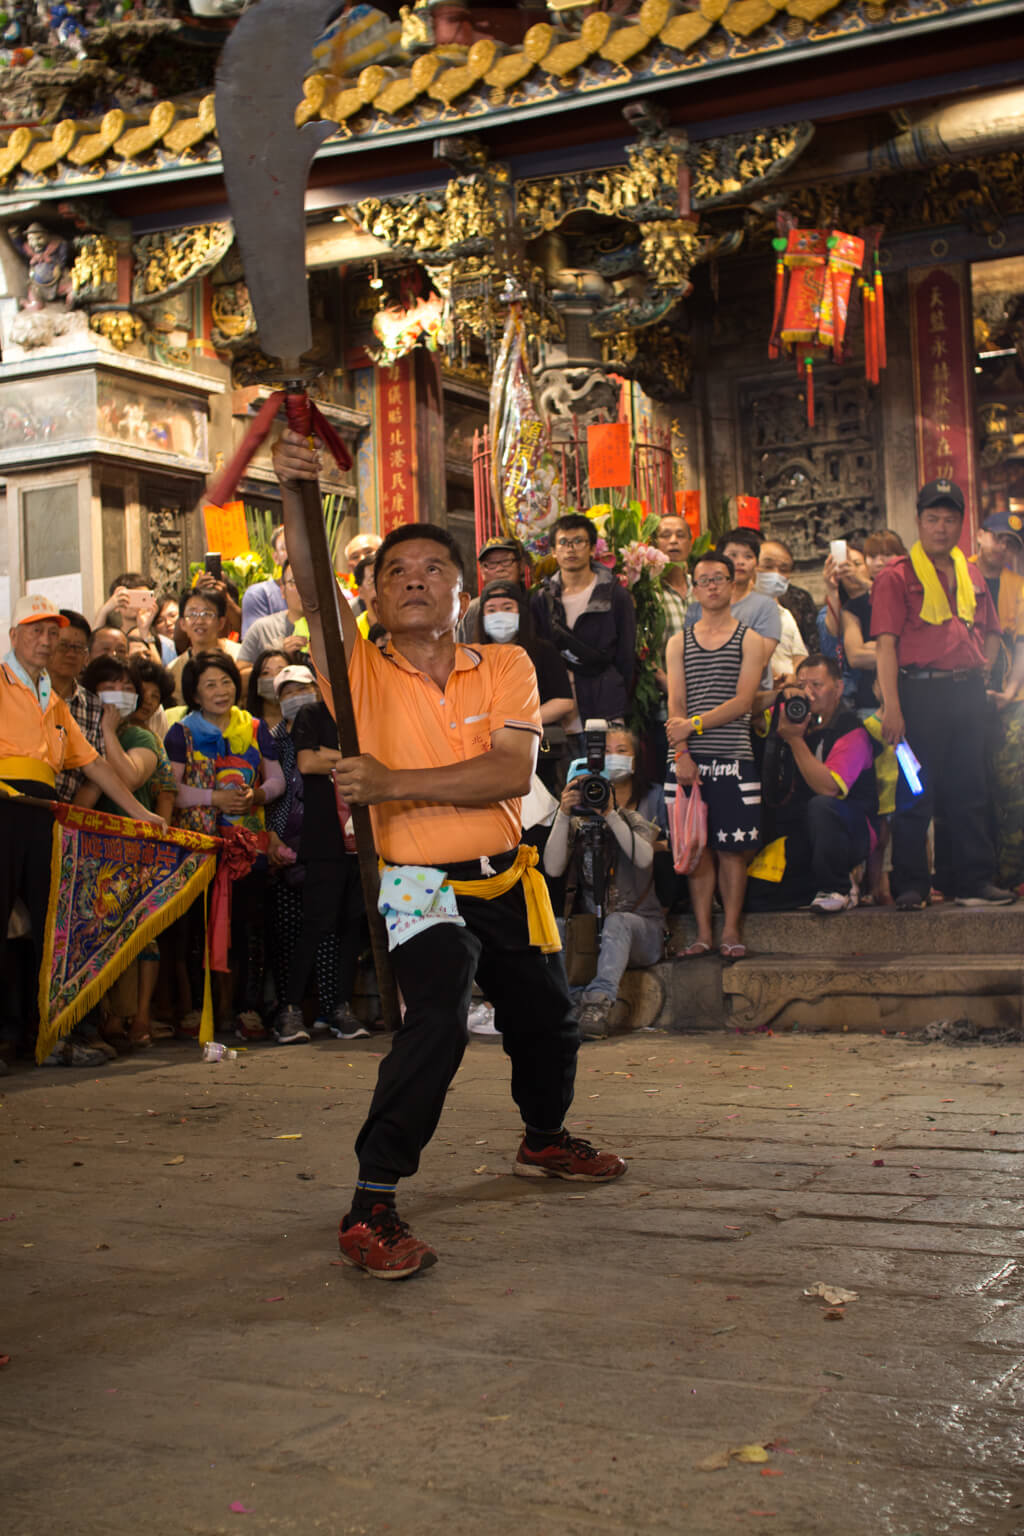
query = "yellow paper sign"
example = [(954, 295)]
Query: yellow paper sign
[(226, 533)]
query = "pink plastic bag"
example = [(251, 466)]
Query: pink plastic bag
[(688, 828)]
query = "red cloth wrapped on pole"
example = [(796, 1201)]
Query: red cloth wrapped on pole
[(223, 487), (241, 848)]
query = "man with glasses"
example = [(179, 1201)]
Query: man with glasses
[(202, 613), (502, 559), (69, 655), (673, 537), (741, 547), (285, 631), (713, 669), (590, 620)]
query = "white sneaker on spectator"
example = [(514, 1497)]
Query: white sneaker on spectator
[(481, 1022), (833, 901), (345, 1025), (68, 1053), (290, 1027)]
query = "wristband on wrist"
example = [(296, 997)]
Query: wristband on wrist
[(698, 725)]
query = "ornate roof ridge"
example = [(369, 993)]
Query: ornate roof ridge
[(446, 88)]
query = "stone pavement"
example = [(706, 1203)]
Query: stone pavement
[(181, 1341)]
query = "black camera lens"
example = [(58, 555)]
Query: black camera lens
[(797, 708), (595, 792)]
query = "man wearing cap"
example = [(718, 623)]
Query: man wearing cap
[(38, 739), (938, 636), (499, 559), (1000, 538)]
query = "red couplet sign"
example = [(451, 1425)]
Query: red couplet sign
[(748, 511), (395, 432), (942, 385)]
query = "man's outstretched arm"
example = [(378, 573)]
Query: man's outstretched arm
[(295, 462)]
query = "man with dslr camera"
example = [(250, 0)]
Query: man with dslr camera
[(820, 780)]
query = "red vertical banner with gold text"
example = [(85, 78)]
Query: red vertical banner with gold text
[(395, 433), (943, 414)]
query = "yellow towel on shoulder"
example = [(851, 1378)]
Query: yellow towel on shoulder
[(935, 607)]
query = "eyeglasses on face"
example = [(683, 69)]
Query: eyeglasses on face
[(199, 615), (711, 581), (578, 543)]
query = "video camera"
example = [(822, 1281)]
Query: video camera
[(587, 774)]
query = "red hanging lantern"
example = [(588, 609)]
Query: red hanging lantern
[(814, 272)]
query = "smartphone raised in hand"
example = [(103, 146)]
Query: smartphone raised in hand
[(212, 565)]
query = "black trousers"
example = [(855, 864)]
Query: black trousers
[(332, 908), (825, 839), (26, 843), (946, 725), (435, 971)]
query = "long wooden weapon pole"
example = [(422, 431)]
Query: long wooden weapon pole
[(325, 586)]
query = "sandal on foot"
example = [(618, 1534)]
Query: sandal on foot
[(695, 950), (732, 951)]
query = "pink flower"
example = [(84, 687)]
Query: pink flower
[(638, 559)]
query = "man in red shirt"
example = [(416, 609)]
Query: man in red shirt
[(938, 634)]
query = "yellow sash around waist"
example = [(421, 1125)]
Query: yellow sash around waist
[(27, 768), (539, 914)]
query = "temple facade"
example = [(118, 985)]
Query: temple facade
[(665, 191)]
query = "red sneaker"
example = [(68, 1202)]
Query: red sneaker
[(570, 1157), (384, 1246)]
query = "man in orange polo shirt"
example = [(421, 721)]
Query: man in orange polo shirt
[(38, 739), (449, 736)]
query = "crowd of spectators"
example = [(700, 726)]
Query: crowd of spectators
[(792, 715)]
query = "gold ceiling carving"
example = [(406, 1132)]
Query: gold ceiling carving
[(446, 86)]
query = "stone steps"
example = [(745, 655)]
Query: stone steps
[(938, 930), (866, 970)]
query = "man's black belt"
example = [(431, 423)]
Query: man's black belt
[(953, 675)]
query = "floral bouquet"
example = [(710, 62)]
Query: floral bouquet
[(624, 544)]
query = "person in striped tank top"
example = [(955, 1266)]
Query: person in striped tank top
[(714, 668)]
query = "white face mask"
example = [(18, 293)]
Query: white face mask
[(770, 584), (501, 627), (618, 766), (125, 703), (294, 702), (265, 688)]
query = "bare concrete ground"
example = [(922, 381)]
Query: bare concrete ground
[(182, 1339)]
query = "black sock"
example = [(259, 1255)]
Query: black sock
[(368, 1193), (536, 1141)]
